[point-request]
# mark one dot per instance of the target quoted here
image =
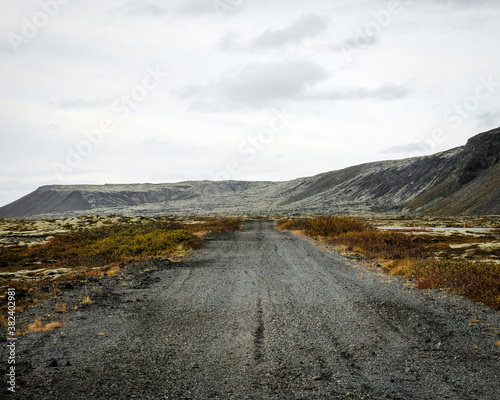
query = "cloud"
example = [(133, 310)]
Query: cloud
[(141, 9), (307, 26), (78, 102), (255, 85), (355, 42), (456, 3), (204, 7), (264, 85), (387, 91), (489, 120), (6, 47), (406, 148), (195, 7), (154, 142)]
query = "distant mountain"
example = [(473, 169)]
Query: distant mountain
[(464, 180)]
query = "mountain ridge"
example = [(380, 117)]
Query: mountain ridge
[(463, 180)]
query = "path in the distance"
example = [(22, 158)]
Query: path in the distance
[(262, 314)]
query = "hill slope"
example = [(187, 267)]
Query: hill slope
[(464, 180)]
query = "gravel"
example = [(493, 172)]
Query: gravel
[(260, 314)]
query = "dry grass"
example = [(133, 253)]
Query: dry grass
[(334, 226), (379, 244), (86, 300), (477, 281), (323, 226), (218, 225), (39, 326), (291, 224), (113, 271)]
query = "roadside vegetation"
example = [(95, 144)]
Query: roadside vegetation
[(40, 258), (467, 264), (112, 241)]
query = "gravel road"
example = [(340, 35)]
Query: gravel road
[(261, 314)]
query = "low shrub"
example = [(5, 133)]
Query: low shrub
[(323, 226), (380, 244), (478, 281), (333, 226), (99, 246), (217, 225), (291, 224)]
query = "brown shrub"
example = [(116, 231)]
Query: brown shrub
[(380, 244), (323, 226), (291, 224), (333, 226), (477, 281), (218, 225)]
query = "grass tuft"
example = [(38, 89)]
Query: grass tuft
[(39, 326)]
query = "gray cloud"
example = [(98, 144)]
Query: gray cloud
[(387, 91), (214, 7), (255, 85), (141, 9), (195, 7), (78, 102), (355, 42), (258, 85), (455, 3), (6, 47), (304, 27), (489, 120), (406, 148)]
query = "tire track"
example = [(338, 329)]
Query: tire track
[(259, 333)]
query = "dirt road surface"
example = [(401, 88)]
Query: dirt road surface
[(261, 314)]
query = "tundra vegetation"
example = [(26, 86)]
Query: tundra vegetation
[(41, 257), (467, 263)]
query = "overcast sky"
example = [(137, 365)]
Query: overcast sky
[(125, 91)]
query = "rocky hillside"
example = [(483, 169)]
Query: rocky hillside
[(464, 180)]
